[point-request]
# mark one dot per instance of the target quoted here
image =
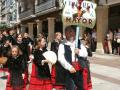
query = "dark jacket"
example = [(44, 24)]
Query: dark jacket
[(55, 46), (42, 70), (17, 67)]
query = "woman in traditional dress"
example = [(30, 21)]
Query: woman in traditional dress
[(16, 64), (20, 44), (40, 77)]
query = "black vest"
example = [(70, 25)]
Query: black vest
[(68, 52), (68, 55)]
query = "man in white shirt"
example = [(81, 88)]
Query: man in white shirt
[(68, 56)]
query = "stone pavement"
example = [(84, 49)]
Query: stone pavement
[(105, 71)]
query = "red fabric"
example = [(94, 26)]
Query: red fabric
[(39, 84), (76, 65), (87, 84), (106, 48), (90, 85), (4, 69), (85, 78), (40, 87), (53, 76), (8, 86)]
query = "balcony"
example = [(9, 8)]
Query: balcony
[(46, 7), (109, 2), (112, 2), (26, 14)]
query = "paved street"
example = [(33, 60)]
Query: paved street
[(105, 71)]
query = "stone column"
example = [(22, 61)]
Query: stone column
[(51, 27), (51, 31), (102, 26), (39, 26), (30, 29)]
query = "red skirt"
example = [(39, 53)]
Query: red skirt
[(39, 84), (3, 69), (86, 83), (9, 87), (53, 76)]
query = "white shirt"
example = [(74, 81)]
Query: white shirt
[(61, 57)]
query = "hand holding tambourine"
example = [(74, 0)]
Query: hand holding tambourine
[(50, 57)]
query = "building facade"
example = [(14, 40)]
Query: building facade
[(35, 16), (9, 12), (108, 17), (40, 16)]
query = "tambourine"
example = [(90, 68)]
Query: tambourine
[(50, 56)]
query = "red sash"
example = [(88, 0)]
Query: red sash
[(76, 65)]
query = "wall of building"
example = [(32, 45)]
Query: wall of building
[(8, 12)]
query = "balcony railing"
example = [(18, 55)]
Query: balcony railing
[(108, 2), (39, 9), (26, 14), (46, 6)]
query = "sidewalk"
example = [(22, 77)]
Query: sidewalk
[(105, 71), (106, 56)]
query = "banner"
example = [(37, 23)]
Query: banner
[(78, 13)]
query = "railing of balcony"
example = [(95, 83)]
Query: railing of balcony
[(46, 5), (113, 2), (108, 2), (26, 13)]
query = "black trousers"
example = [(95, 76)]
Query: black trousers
[(74, 80)]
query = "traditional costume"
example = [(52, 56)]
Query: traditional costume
[(22, 48), (40, 77), (27, 42), (68, 59), (16, 66)]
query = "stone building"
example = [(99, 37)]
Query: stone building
[(45, 16), (8, 12)]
